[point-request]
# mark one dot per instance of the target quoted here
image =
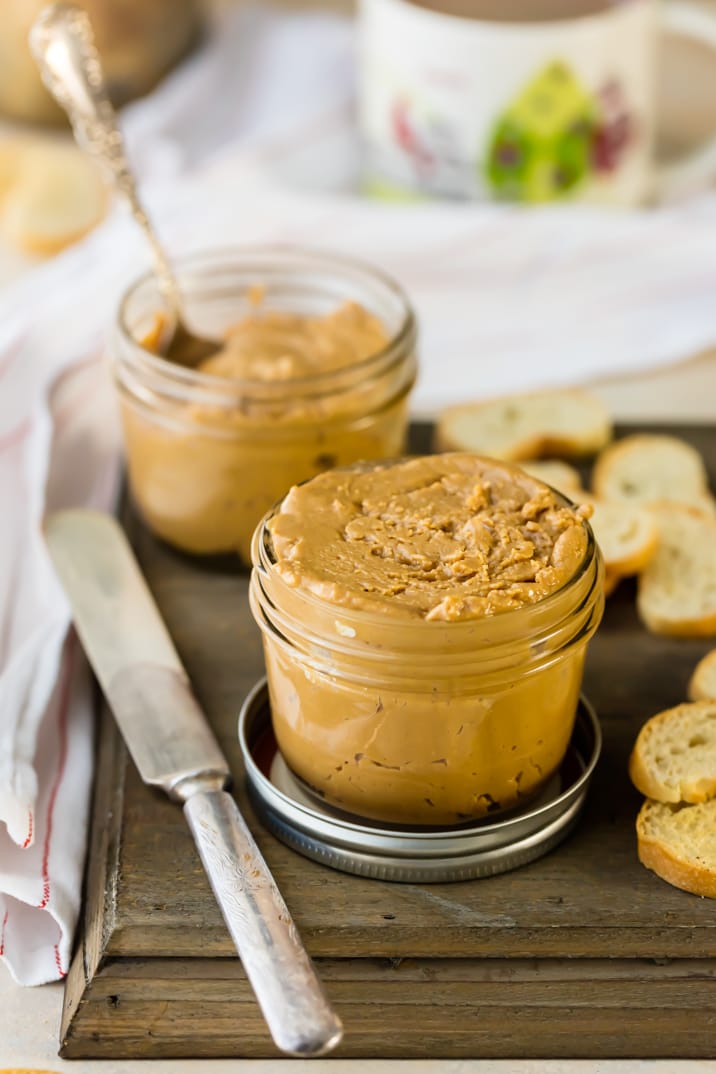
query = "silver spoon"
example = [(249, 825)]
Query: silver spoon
[(62, 43)]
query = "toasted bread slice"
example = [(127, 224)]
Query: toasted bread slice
[(678, 843), (677, 588), (646, 468), (674, 756), (626, 534), (702, 684), (538, 425), (57, 197), (560, 475)]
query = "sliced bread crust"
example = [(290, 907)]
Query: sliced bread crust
[(626, 534), (678, 843), (567, 423), (556, 473), (674, 756), (677, 589), (702, 684), (58, 197), (647, 467)]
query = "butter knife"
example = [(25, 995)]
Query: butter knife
[(171, 744)]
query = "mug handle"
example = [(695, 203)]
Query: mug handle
[(684, 19)]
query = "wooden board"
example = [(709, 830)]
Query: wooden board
[(583, 953)]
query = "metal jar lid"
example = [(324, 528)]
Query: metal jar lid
[(299, 818)]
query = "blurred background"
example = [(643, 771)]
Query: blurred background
[(272, 90), (141, 41)]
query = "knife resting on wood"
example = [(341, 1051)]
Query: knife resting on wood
[(170, 741)]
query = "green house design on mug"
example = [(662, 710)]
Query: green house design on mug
[(541, 146)]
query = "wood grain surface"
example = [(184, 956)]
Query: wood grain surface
[(583, 953)]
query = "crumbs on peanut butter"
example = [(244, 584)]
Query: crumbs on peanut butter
[(440, 537)]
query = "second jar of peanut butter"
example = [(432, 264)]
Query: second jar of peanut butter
[(314, 366)]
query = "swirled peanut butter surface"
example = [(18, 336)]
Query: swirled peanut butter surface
[(444, 537), (272, 345)]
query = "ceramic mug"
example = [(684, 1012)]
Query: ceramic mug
[(561, 106)]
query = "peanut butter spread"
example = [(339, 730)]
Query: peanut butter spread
[(441, 537), (271, 345), (204, 470)]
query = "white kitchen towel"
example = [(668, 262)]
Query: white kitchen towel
[(53, 453), (506, 298)]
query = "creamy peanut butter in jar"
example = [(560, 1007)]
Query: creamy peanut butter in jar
[(314, 370), (425, 623)]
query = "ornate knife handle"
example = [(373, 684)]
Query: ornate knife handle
[(291, 997), (62, 43)]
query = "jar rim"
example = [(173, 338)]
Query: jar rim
[(241, 257)]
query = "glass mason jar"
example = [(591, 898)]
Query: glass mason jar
[(416, 721), (208, 455)]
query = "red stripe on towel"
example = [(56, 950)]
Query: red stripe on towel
[(2, 933), (62, 733), (58, 961), (27, 842)]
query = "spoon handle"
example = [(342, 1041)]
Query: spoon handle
[(63, 45)]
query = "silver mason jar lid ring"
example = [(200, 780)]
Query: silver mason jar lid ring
[(297, 816)]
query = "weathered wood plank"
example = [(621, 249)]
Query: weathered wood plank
[(484, 971), (102, 870), (587, 913), (455, 1019), (435, 991)]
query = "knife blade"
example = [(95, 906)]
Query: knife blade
[(149, 693)]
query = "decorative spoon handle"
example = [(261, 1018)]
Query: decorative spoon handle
[(63, 45)]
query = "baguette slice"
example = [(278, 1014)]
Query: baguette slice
[(626, 534), (677, 589), (678, 843), (674, 756), (646, 468), (57, 197), (560, 475), (702, 684), (536, 425)]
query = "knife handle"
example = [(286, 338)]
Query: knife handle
[(291, 997)]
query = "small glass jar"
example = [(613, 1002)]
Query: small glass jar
[(416, 721), (208, 455)]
